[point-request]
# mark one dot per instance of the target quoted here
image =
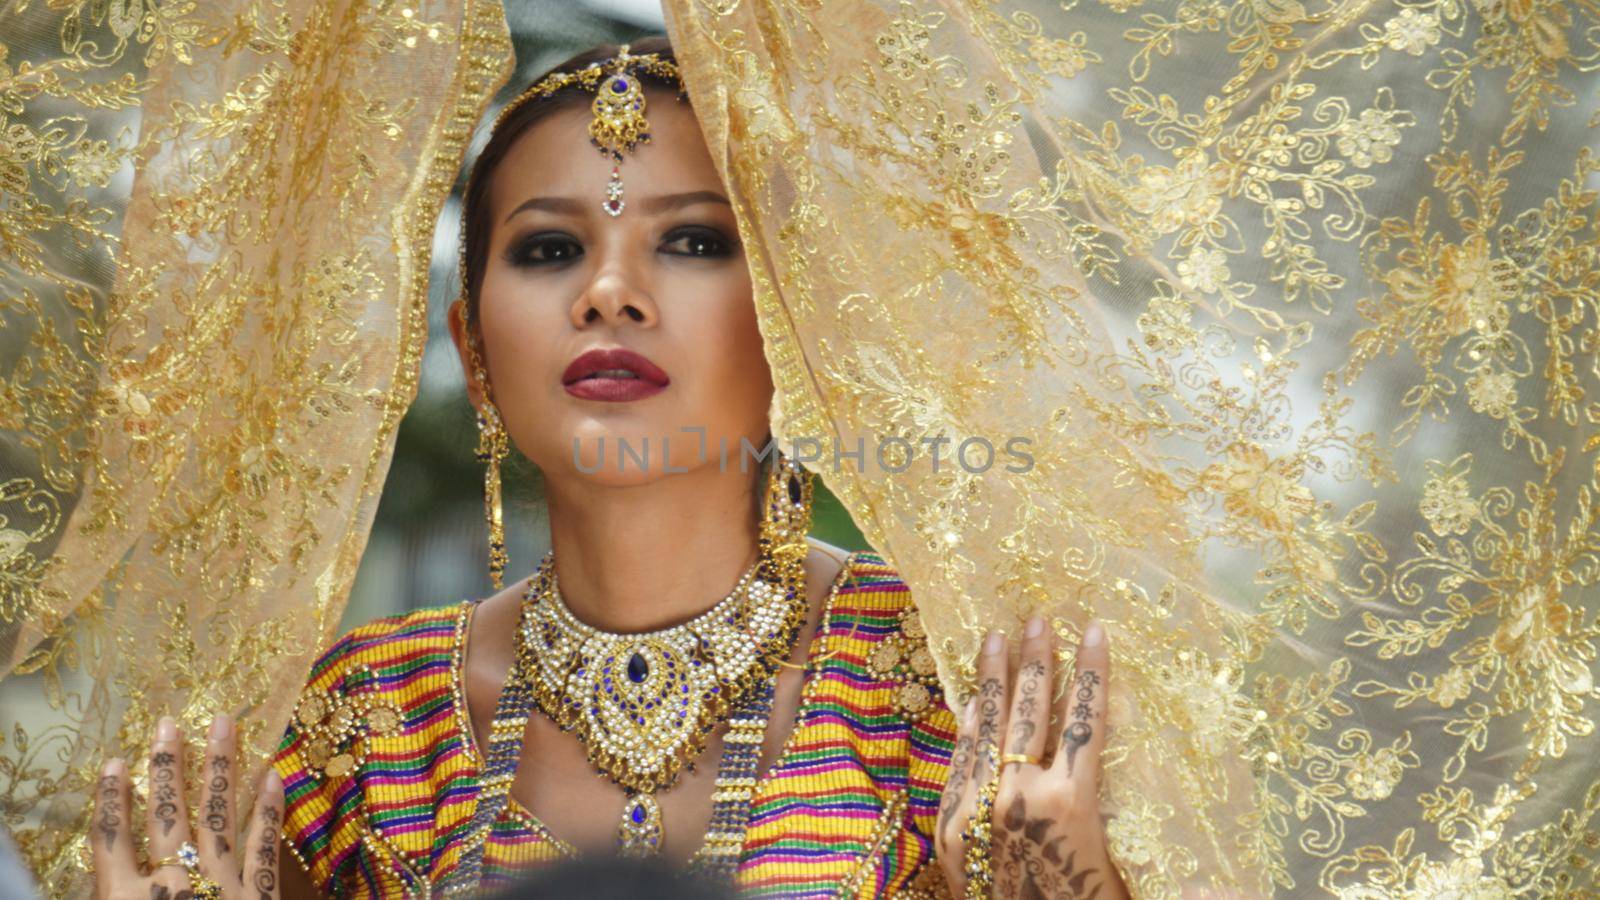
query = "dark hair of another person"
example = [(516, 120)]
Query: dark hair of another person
[(475, 204), (613, 879)]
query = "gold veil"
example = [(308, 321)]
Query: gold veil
[(1297, 305), (216, 222), (1293, 307)]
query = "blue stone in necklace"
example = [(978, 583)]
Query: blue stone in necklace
[(639, 833), (638, 669)]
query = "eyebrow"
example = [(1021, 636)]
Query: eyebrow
[(650, 205)]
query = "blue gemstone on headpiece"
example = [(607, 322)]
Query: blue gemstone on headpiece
[(638, 814), (619, 86)]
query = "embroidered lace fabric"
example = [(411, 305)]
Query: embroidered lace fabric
[(1298, 304), (216, 222), (845, 811)]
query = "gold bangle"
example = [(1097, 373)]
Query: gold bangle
[(979, 833), (1025, 758)]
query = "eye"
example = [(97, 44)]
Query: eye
[(697, 241), (543, 249)]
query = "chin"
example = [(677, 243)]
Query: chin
[(634, 453)]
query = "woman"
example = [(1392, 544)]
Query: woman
[(608, 306)]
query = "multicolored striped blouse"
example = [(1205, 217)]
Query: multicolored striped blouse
[(380, 767)]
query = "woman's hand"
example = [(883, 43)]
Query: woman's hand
[(1047, 837), (250, 870)]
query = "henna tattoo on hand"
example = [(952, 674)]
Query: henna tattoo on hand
[(266, 879), (164, 793), (988, 714), (110, 809), (216, 820), (1022, 730), (1034, 862), (160, 892), (1079, 731), (960, 761)]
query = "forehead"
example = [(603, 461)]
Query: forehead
[(555, 157)]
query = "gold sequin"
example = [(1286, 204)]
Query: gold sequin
[(318, 752), (340, 766), (915, 697), (383, 719), (313, 709), (886, 657)]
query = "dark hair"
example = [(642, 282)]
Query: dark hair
[(475, 222)]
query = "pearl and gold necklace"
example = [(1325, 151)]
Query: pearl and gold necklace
[(644, 704)]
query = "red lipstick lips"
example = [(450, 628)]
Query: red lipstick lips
[(616, 375)]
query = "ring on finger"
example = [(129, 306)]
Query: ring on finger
[(188, 856), (1025, 758)]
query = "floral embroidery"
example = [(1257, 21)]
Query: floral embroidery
[(1412, 31)]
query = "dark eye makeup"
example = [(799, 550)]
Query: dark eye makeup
[(551, 248), (697, 240), (542, 249)]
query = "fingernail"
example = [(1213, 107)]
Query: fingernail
[(221, 727), (1035, 627), (272, 782), (1094, 634), (114, 767), (993, 644), (166, 729)]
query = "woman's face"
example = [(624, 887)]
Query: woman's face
[(666, 280)]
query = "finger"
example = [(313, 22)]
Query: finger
[(956, 787), (1084, 734), (954, 801), (991, 701), (261, 845), (110, 839), (1028, 722), (216, 800), (167, 813)]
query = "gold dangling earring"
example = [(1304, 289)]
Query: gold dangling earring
[(493, 446), (786, 513)]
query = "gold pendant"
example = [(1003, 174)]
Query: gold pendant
[(619, 123), (639, 834)]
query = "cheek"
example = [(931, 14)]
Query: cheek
[(742, 374), (520, 335)]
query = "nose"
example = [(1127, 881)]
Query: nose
[(614, 295)]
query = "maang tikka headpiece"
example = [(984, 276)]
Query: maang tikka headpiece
[(619, 123)]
